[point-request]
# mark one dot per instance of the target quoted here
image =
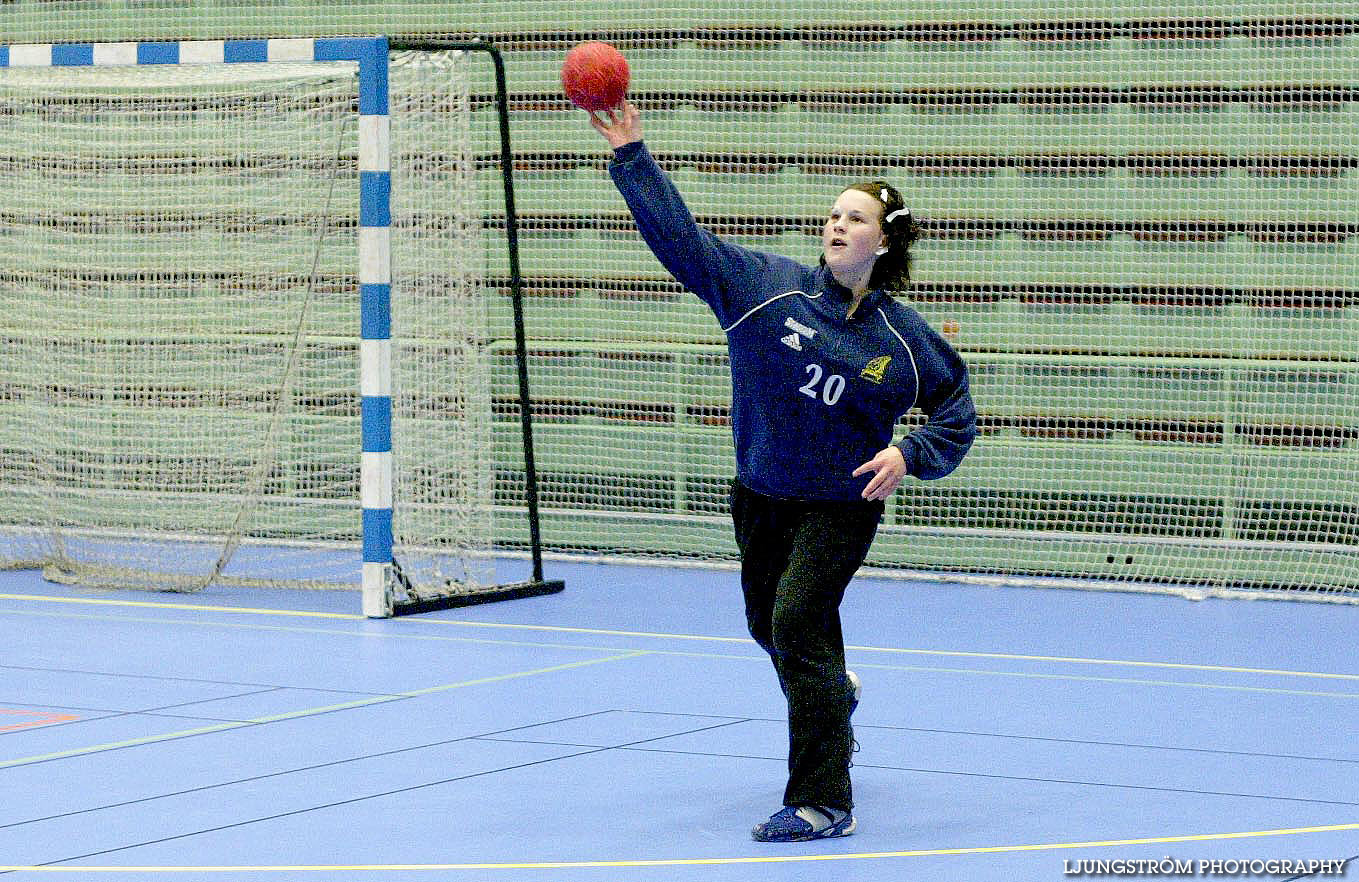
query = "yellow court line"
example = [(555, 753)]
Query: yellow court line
[(313, 711), (654, 635), (199, 607), (694, 862), (374, 634), (942, 653), (754, 656)]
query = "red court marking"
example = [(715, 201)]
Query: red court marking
[(39, 719)]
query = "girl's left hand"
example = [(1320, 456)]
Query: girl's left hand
[(619, 125), (890, 468)]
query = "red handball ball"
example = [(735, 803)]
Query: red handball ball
[(595, 76)]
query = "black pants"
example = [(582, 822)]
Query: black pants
[(797, 558)]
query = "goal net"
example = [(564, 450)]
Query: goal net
[(1139, 234), (180, 306), (1141, 231)]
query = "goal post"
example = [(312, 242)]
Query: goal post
[(187, 431)]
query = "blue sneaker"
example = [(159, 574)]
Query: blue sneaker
[(804, 823)]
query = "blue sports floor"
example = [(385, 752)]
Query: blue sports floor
[(628, 729)]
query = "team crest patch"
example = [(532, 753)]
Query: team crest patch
[(876, 369)]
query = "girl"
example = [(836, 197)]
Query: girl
[(823, 363)]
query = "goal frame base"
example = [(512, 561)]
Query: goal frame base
[(491, 594)]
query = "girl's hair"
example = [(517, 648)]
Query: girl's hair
[(892, 272)]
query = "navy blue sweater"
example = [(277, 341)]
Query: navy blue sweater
[(814, 394)]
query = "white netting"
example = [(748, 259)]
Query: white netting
[(179, 307), (1141, 231), (1141, 236), (441, 363)]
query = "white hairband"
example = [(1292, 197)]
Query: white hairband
[(893, 216)]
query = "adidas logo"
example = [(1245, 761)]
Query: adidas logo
[(794, 340)]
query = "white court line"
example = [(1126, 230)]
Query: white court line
[(314, 711), (654, 635)]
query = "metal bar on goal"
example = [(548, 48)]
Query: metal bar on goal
[(537, 584)]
